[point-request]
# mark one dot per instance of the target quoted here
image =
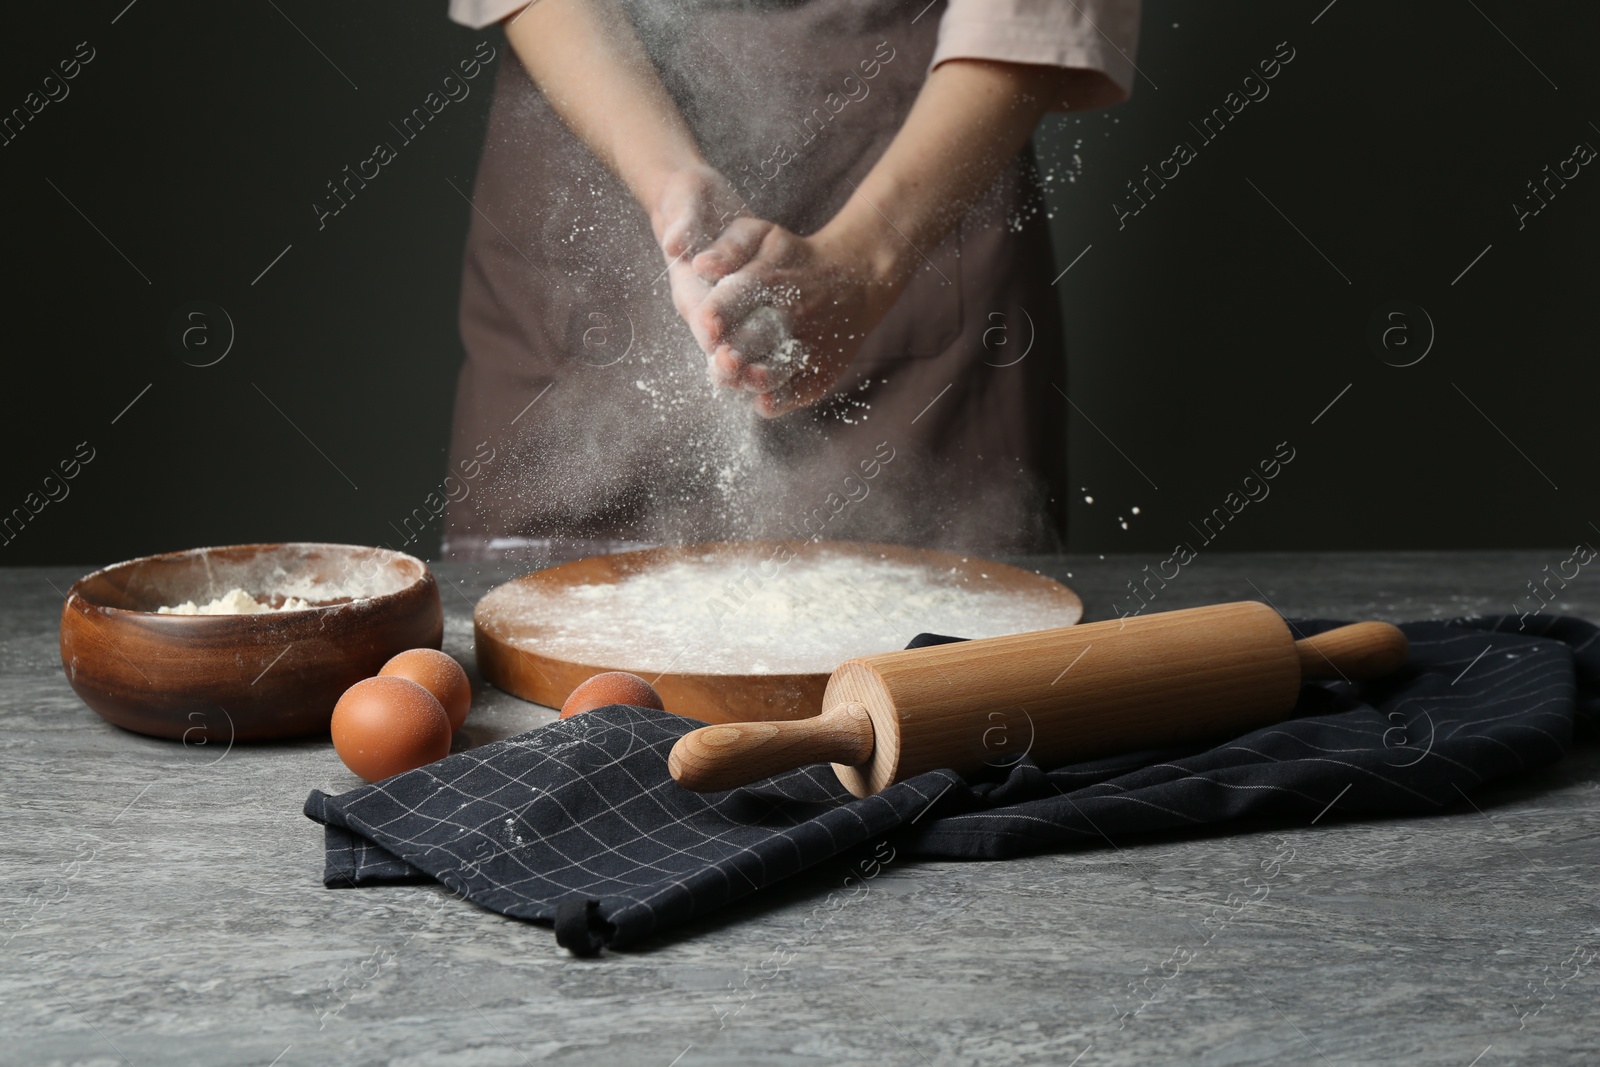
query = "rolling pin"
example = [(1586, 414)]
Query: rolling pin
[(1084, 692)]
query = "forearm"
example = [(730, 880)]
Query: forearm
[(966, 126), (587, 59)]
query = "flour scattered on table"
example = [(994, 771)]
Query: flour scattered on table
[(712, 615), (233, 602)]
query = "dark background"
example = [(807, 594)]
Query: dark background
[(1212, 326)]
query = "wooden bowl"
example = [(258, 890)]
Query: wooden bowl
[(511, 658), (222, 678)]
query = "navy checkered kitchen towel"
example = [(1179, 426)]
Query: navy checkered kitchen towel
[(578, 823)]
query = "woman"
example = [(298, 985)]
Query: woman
[(827, 208)]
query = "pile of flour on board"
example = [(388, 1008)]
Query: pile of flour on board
[(233, 602), (714, 616)]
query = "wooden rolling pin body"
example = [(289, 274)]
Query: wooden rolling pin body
[(1060, 696)]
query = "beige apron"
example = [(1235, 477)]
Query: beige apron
[(583, 410)]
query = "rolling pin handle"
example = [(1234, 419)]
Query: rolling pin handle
[(1360, 651), (713, 758)]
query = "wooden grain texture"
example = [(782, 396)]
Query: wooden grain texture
[(514, 657), (1360, 650), (1084, 692), (222, 678)]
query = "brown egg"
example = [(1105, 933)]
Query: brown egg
[(440, 675), (383, 726), (613, 687)]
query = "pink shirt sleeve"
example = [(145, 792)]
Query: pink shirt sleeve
[(479, 13), (1094, 35)]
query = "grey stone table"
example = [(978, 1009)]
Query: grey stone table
[(163, 905)]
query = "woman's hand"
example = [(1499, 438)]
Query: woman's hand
[(787, 314), (587, 59), (693, 205)]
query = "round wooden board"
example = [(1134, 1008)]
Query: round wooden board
[(510, 656)]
